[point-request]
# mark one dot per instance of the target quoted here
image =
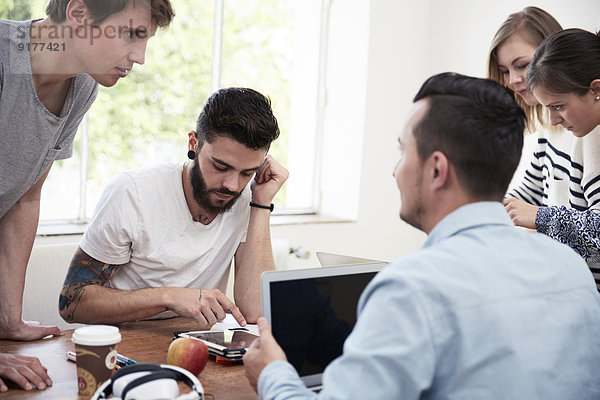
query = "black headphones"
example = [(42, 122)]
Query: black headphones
[(149, 382)]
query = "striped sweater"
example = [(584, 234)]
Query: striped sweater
[(563, 179)]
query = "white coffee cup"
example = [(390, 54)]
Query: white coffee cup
[(96, 355)]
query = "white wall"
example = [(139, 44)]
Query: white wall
[(461, 30)]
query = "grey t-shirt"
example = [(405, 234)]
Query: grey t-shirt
[(31, 137)]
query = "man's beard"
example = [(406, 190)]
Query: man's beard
[(202, 193), (414, 215)]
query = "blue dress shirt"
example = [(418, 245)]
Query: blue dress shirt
[(483, 311)]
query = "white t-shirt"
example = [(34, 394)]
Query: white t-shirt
[(142, 221)]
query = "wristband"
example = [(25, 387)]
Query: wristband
[(271, 207)]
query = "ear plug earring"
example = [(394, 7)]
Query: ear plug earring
[(597, 98), (191, 154)]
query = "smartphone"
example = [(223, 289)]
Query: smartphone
[(229, 343)]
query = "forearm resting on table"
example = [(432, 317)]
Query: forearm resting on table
[(100, 304)]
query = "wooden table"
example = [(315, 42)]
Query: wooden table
[(143, 341)]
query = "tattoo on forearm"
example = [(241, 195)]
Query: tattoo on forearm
[(83, 271)]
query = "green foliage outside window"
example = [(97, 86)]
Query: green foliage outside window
[(155, 106), (17, 10)]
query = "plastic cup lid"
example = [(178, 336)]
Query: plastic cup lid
[(96, 335)]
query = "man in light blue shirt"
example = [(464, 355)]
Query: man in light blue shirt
[(485, 310)]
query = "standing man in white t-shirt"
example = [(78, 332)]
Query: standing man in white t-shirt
[(163, 237)]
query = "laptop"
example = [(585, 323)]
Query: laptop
[(312, 311), (329, 259)]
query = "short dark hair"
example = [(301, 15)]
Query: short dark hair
[(241, 114), (478, 125), (566, 62), (161, 11)]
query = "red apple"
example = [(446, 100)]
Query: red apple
[(188, 353)]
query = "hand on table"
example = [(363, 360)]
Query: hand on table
[(28, 330), (522, 214), (261, 352), (206, 306), (27, 372)]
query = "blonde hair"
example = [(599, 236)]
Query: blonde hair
[(536, 25)]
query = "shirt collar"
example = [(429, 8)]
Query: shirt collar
[(466, 217)]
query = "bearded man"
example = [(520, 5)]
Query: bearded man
[(163, 237)]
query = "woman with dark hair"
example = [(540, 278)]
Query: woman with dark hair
[(564, 76)]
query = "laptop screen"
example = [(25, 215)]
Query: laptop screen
[(312, 311)]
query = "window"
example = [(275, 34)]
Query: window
[(270, 45)]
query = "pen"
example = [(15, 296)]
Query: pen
[(125, 360)]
